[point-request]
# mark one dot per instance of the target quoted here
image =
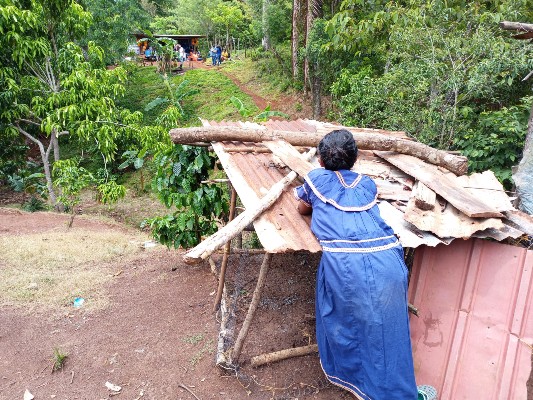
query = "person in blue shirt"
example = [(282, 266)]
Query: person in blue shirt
[(219, 54), (362, 322)]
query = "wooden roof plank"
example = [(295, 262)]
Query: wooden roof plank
[(447, 221), (487, 187), (445, 185)]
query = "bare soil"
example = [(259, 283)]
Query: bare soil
[(159, 333)]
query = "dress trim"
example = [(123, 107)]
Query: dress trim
[(345, 385), (335, 204), (295, 192), (343, 182), (356, 241), (360, 250)]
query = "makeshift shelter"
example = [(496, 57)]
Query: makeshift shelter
[(472, 297), (188, 42)]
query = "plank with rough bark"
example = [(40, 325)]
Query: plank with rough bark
[(520, 220), (447, 221), (424, 197), (290, 156), (445, 185), (364, 139)]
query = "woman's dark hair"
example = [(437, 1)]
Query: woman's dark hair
[(338, 150)]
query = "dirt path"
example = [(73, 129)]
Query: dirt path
[(159, 331)]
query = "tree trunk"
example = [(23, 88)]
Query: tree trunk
[(316, 91), (523, 177), (365, 138), (295, 37), (55, 143), (45, 157), (308, 26), (266, 29)]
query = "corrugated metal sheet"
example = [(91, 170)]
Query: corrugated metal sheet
[(474, 336), (280, 228)]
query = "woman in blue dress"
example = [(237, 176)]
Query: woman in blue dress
[(362, 323)]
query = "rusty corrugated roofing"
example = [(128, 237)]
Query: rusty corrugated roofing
[(282, 228)]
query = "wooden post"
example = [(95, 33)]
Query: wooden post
[(251, 310), (227, 247)]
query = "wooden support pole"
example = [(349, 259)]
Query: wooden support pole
[(225, 257), (251, 310), (283, 355)]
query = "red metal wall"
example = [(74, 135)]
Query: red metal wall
[(474, 334)]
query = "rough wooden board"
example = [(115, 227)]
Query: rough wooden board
[(377, 168), (449, 222), (290, 156), (487, 187), (410, 235), (424, 197), (392, 190), (520, 220), (443, 184)]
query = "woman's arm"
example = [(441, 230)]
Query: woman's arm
[(304, 209)]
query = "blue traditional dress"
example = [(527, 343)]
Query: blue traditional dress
[(362, 322)]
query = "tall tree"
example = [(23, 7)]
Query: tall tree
[(266, 28), (53, 88), (295, 37)]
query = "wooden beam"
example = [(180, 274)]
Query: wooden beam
[(251, 310), (520, 220), (445, 185), (365, 140), (228, 305)]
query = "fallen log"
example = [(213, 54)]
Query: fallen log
[(365, 140), (283, 355), (516, 26)]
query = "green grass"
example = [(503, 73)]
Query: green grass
[(143, 86), (262, 72), (211, 103)]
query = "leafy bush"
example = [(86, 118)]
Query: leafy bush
[(178, 183), (497, 144), (34, 204)]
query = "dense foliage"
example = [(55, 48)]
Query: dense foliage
[(55, 90), (443, 71)]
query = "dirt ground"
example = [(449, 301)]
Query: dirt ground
[(158, 335)]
